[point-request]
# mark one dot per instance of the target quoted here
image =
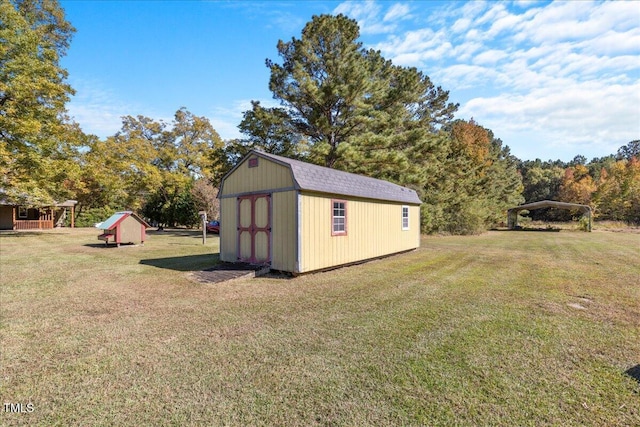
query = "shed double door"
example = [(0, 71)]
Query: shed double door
[(254, 228)]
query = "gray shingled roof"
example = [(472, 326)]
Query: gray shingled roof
[(312, 177)]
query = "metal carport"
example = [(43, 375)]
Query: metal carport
[(512, 214)]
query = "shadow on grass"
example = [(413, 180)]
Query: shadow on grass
[(184, 263), (555, 230), (634, 372), (179, 232), (112, 245), (13, 233)]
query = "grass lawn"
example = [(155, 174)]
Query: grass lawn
[(506, 328)]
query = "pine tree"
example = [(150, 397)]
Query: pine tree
[(351, 109)]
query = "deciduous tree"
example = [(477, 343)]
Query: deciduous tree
[(35, 134), (618, 194)]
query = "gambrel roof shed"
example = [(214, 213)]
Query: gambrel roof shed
[(298, 217), (310, 177)]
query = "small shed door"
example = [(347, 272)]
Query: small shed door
[(254, 228)]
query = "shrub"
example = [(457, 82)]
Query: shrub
[(90, 216)]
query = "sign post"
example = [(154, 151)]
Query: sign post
[(203, 215)]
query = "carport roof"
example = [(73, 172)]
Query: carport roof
[(551, 204), (321, 179)]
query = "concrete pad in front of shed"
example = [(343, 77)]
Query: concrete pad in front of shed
[(225, 272)]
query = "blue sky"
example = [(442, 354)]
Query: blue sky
[(551, 79)]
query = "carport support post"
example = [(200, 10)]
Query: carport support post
[(512, 219), (203, 215)]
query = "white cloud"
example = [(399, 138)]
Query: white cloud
[(461, 25), (505, 23), (612, 43), (367, 14), (580, 115), (95, 120), (561, 21), (370, 18), (97, 110), (225, 120), (285, 21), (565, 74), (397, 11), (525, 3), (465, 51), (495, 12), (416, 46), (472, 9), (490, 57), (464, 76)]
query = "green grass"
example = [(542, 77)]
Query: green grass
[(506, 328)]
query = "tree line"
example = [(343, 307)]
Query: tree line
[(340, 106), (610, 185)]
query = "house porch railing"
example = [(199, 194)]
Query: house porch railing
[(35, 224)]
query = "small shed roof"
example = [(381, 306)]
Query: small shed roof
[(117, 218), (551, 204), (67, 204), (312, 177)]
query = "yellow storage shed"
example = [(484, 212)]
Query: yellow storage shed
[(298, 217)]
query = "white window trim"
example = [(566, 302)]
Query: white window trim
[(402, 210), (343, 232)]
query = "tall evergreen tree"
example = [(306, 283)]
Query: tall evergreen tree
[(352, 109), (267, 129)]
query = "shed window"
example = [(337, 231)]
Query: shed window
[(253, 162), (338, 218), (22, 212), (405, 217)]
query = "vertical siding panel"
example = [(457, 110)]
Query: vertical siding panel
[(284, 231), (304, 233), (228, 233), (277, 230), (292, 232), (373, 229), (320, 252), (266, 176)]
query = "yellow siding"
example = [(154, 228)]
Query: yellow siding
[(301, 241), (373, 229), (284, 231), (266, 176), (228, 230)]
